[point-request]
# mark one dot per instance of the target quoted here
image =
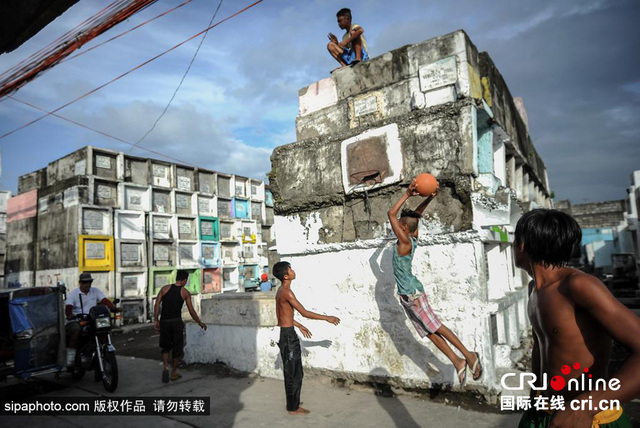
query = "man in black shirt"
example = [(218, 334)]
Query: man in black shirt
[(171, 298)]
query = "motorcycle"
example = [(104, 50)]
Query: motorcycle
[(94, 348)]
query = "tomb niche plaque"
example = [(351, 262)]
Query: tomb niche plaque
[(103, 162), (438, 74), (185, 228), (182, 201), (184, 183), (104, 192), (204, 205), (186, 253), (225, 231), (161, 280), (161, 253), (130, 283), (94, 251), (92, 220), (161, 225), (206, 227), (161, 201), (365, 106), (207, 252), (129, 253), (159, 171)]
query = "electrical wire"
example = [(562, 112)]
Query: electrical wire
[(126, 32), (6, 134), (181, 81), (112, 15), (11, 97)]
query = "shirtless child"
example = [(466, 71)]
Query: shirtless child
[(574, 317), (289, 343)]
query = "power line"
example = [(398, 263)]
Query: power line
[(127, 32), (116, 12), (97, 130), (128, 72), (181, 81)]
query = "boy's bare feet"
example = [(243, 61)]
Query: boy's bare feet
[(300, 411)]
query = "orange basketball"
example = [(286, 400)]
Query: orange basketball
[(426, 184)]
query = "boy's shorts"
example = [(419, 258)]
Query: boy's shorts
[(420, 313), (171, 337), (349, 55)]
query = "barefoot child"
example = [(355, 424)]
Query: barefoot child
[(289, 343), (353, 47), (411, 292), (573, 317)]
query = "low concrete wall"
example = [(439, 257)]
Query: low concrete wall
[(355, 282)]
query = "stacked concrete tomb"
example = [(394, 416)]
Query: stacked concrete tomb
[(362, 134), (132, 222)]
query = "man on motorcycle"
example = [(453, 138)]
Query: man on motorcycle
[(80, 301)]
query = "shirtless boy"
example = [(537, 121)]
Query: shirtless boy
[(574, 319), (289, 343)]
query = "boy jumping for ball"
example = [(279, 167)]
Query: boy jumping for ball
[(411, 292), (353, 47), (573, 317), (289, 343)]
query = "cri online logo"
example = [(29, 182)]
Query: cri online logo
[(558, 382)]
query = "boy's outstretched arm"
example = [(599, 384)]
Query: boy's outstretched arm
[(623, 326), (403, 236), (423, 205), (291, 298)]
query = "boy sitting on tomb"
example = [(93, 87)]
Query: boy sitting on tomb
[(353, 47)]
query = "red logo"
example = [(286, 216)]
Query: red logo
[(558, 382)]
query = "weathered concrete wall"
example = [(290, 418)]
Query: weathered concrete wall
[(440, 107), (32, 181), (20, 262), (436, 134), (596, 214), (374, 332)]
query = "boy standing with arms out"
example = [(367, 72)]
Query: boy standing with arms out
[(573, 317), (353, 47), (411, 292), (289, 343), (171, 297)]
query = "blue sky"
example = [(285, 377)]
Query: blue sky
[(575, 63)]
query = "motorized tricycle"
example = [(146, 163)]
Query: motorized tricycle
[(33, 337)]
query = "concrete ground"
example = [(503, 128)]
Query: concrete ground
[(245, 402)]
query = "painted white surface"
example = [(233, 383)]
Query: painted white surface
[(319, 95), (357, 285), (440, 96), (130, 225)]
